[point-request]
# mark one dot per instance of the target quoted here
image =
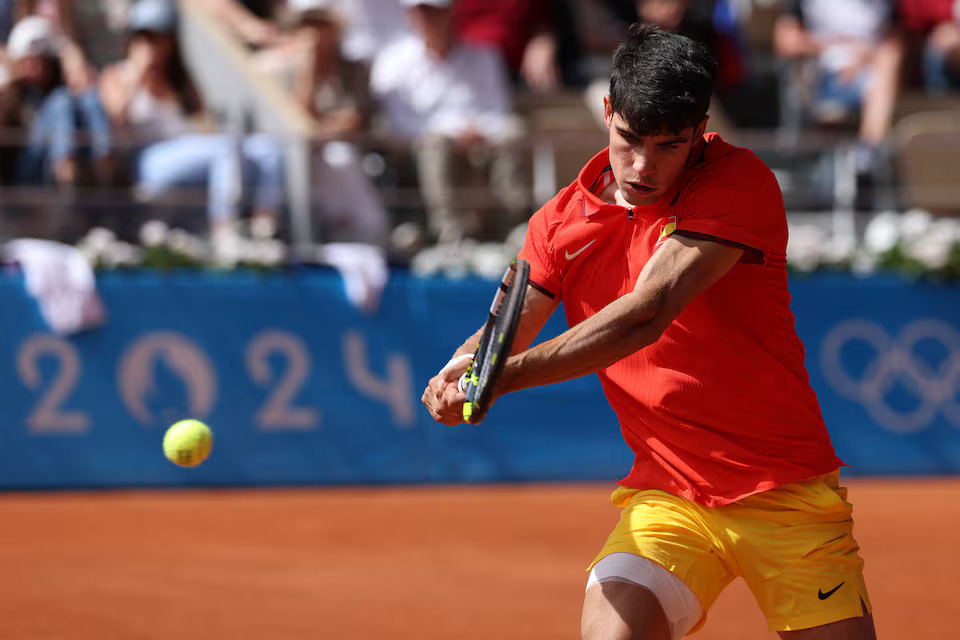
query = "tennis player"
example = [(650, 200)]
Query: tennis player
[(669, 253)]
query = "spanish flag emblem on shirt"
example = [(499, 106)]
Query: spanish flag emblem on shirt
[(666, 230)]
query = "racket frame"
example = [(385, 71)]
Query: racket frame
[(495, 341)]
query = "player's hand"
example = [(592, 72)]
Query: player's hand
[(442, 398)]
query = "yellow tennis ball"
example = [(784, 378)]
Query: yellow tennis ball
[(187, 443)]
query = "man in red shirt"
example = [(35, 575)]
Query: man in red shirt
[(521, 30), (669, 253)]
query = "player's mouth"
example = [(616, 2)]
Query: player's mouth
[(641, 189)]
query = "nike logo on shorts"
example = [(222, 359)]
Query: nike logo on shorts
[(824, 596)]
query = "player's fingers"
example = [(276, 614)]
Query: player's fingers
[(439, 382), (451, 406)]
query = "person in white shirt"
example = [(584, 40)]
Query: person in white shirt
[(858, 52), (451, 101), (370, 25)]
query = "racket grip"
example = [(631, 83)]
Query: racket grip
[(462, 382)]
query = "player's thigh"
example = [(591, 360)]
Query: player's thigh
[(615, 610), (670, 534), (850, 629), (797, 553)]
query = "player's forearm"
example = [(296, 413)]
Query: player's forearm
[(615, 332), (470, 346)]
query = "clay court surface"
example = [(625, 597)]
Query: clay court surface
[(401, 563)]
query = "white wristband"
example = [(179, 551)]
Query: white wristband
[(454, 361)]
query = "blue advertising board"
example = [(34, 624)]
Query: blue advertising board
[(298, 386), (884, 357), (301, 388)]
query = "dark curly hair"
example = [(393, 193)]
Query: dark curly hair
[(661, 82)]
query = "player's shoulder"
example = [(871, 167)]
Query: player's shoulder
[(563, 207), (730, 168), (721, 157), (575, 201)]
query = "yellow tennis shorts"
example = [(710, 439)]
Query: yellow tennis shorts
[(793, 546)]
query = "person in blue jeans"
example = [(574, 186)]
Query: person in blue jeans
[(64, 127), (152, 101)]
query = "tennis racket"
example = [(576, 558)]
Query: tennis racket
[(495, 341)]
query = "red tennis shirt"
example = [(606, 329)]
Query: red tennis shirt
[(720, 406)]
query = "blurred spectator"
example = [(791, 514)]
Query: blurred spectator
[(55, 117), (336, 94), (856, 56), (710, 22), (525, 32), (369, 26), (6, 21), (151, 98), (100, 28), (253, 21), (78, 73), (934, 29), (451, 100)]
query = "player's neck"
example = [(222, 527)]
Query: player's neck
[(609, 193)]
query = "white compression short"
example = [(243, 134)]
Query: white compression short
[(680, 605)]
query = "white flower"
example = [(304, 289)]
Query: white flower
[(516, 237), (98, 239), (806, 246), (89, 253), (267, 253), (840, 249), (153, 233), (179, 241), (489, 260), (129, 255), (427, 262), (450, 260), (882, 233), (915, 225), (933, 249), (121, 254)]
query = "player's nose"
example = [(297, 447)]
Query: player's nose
[(642, 164)]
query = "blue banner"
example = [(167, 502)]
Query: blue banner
[(301, 388), (884, 357), (298, 386)]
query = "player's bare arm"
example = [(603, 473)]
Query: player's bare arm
[(443, 399), (680, 270)]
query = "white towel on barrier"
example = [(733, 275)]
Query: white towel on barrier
[(363, 268), (62, 281)]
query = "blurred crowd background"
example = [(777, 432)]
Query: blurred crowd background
[(430, 127)]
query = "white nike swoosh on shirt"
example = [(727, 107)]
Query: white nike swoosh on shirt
[(571, 256)]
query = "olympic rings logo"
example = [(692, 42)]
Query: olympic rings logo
[(923, 362)]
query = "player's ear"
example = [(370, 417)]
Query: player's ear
[(698, 133), (607, 111)]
